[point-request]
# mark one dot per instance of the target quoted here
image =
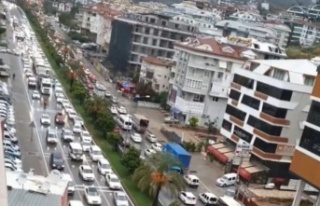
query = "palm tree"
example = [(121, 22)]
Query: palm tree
[(156, 174)]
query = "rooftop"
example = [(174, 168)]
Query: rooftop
[(52, 184), (21, 197), (297, 69), (212, 46), (102, 10), (157, 61)]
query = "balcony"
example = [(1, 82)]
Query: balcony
[(218, 90), (202, 91), (189, 106), (270, 138), (274, 120), (264, 155)]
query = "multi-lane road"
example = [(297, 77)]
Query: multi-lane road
[(36, 151)]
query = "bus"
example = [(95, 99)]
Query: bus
[(45, 85), (125, 122), (140, 123)]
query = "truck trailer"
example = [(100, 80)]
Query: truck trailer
[(180, 154)]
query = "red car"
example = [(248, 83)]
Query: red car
[(59, 119)]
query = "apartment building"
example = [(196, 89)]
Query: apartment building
[(244, 16), (138, 35), (96, 22), (201, 77), (306, 159), (304, 32), (268, 102), (156, 72), (311, 12), (62, 6)]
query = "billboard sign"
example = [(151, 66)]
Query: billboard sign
[(243, 149)]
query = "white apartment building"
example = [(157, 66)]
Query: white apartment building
[(305, 33), (267, 105), (62, 6), (156, 72), (243, 16), (96, 23), (201, 77)]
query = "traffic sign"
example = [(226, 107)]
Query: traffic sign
[(243, 149)]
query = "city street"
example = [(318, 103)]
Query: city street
[(36, 151), (27, 111)]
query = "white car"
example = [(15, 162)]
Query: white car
[(157, 146), (122, 110), (51, 136), (152, 138), (67, 135), (113, 182), (104, 166), (187, 198), (149, 152), (86, 173), (107, 94), (85, 136), (208, 198), (77, 128), (86, 145), (95, 153), (92, 196), (136, 137), (36, 95), (72, 114), (113, 110), (60, 100), (60, 95), (120, 199), (45, 119)]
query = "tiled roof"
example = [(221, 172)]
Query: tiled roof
[(157, 61), (103, 10), (20, 197), (212, 46)]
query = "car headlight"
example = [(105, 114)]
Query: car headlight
[(53, 165)]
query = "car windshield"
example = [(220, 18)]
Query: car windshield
[(113, 179), (67, 132), (58, 160), (88, 171), (77, 151), (51, 134), (93, 191), (105, 166), (224, 178), (96, 152), (45, 116), (121, 197)]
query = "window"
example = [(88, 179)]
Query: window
[(279, 74), (215, 99), (154, 42), (314, 113), (309, 81), (164, 23), (227, 125), (244, 81), (274, 111), (147, 30), (244, 135), (235, 112), (264, 127), (310, 140), (155, 32), (251, 102), (198, 98), (234, 95), (272, 91), (264, 146), (145, 40), (220, 75)]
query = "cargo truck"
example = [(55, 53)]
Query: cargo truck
[(179, 153)]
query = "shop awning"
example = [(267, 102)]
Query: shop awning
[(218, 155), (244, 174)]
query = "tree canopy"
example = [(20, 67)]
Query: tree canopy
[(303, 53)]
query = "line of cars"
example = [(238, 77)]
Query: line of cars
[(11, 149), (79, 140)]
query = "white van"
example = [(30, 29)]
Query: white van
[(75, 203), (125, 122), (75, 151), (192, 181), (104, 166), (227, 180)]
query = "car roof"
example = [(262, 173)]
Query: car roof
[(57, 154), (193, 177), (95, 147), (113, 176), (209, 194), (86, 167), (104, 161), (189, 194)]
